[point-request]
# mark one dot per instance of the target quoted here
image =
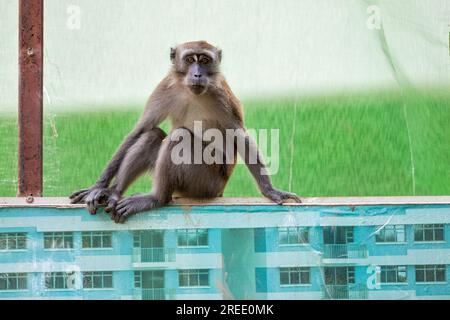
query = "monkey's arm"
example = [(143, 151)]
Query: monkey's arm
[(114, 164), (156, 111), (255, 163), (109, 172), (99, 192), (249, 150)]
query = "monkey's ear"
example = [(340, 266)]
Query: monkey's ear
[(172, 54), (219, 55)]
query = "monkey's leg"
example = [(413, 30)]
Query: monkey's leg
[(195, 180), (141, 156), (162, 189)]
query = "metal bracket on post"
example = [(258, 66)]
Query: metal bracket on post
[(30, 116)]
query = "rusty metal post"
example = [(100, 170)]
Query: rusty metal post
[(30, 117)]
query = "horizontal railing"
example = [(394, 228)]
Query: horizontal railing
[(153, 254), (344, 292), (64, 202), (344, 251)]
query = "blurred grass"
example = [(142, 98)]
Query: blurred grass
[(343, 145)]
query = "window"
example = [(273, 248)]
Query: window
[(97, 239), (148, 239), (391, 233), (294, 275), (150, 279), (430, 273), (138, 279), (349, 235), (137, 239), (393, 274), (97, 280), (192, 237), (293, 235), (338, 235), (339, 275), (60, 280), (13, 281), (429, 232), (193, 278), (58, 240), (13, 241)]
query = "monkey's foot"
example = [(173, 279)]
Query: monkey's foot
[(278, 196), (131, 205)]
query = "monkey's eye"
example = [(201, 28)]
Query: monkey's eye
[(190, 59), (204, 60)]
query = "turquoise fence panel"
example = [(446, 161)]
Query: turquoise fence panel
[(246, 250)]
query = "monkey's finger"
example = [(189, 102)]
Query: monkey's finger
[(96, 204), (111, 205), (122, 204), (296, 198), (292, 196), (98, 198), (124, 213), (90, 204), (277, 200), (122, 208), (275, 197), (77, 193), (91, 208), (111, 202), (120, 214), (80, 198), (112, 214), (117, 214), (125, 216)]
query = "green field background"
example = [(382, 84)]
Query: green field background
[(366, 144)]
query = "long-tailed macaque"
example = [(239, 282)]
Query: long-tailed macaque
[(193, 91)]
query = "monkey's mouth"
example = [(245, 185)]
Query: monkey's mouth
[(197, 88)]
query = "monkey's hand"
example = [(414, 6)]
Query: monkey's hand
[(93, 197), (79, 196), (134, 204), (279, 196)]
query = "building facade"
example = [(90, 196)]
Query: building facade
[(215, 251)]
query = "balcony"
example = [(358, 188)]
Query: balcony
[(143, 255), (344, 251), (153, 294), (344, 292)]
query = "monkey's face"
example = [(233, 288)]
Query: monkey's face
[(197, 75), (197, 63)]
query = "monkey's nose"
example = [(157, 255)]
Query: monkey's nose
[(197, 75)]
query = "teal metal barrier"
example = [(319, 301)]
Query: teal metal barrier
[(325, 248)]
